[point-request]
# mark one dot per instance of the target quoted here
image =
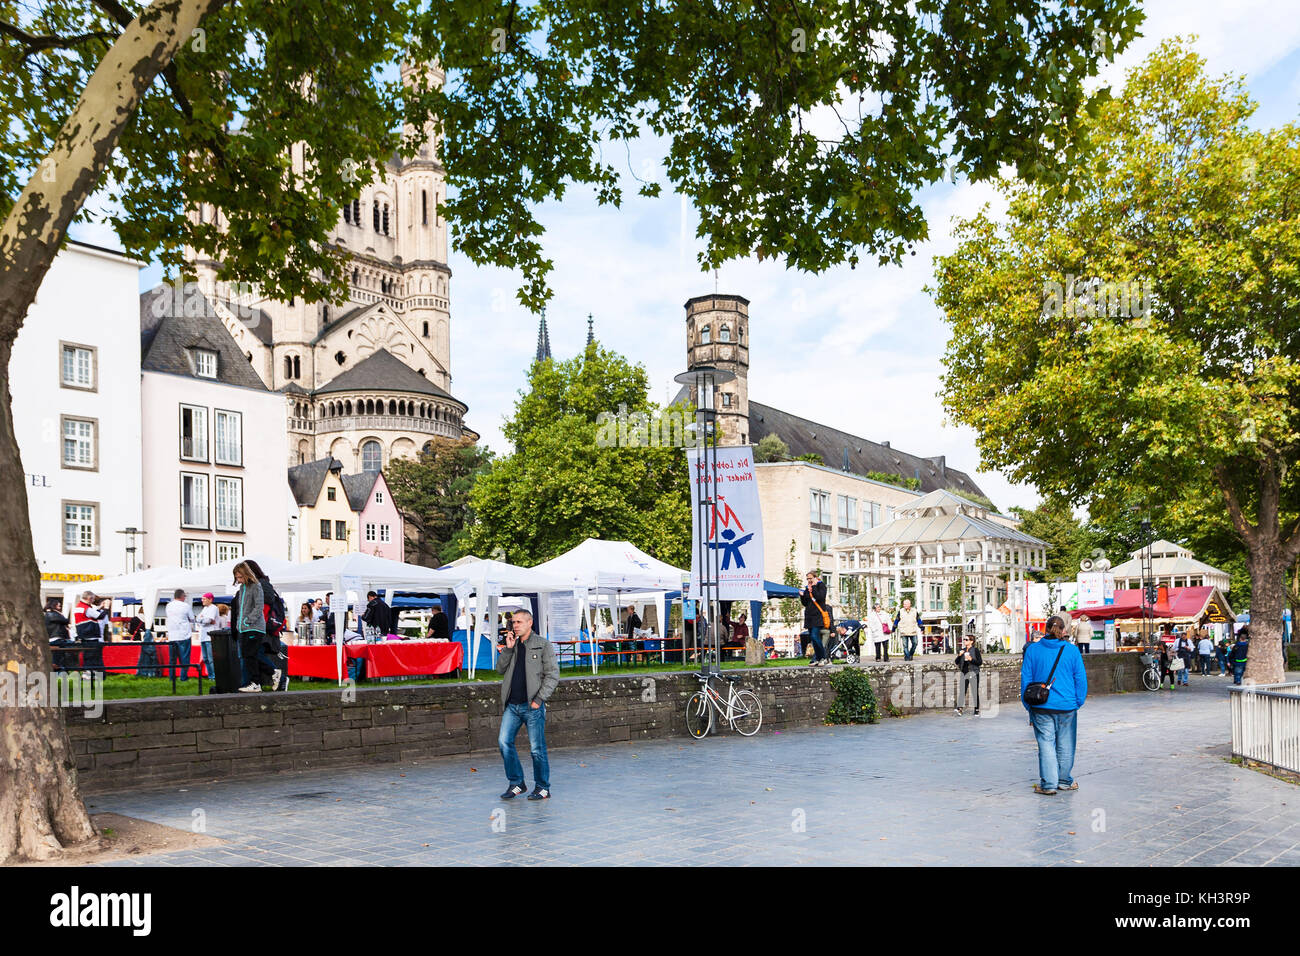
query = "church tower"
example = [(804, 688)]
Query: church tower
[(717, 335)]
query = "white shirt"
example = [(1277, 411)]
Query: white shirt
[(208, 619), (180, 620)]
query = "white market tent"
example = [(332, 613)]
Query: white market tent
[(145, 585), (219, 578), (360, 573), (613, 569), (491, 580)]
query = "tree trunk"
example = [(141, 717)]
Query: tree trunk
[(40, 808), (1267, 598)]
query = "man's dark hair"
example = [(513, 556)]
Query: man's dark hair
[(371, 594), (178, 593)]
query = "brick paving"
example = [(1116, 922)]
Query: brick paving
[(1155, 784)]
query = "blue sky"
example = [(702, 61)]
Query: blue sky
[(858, 350)]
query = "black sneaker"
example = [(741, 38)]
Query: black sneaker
[(514, 791), (539, 794)]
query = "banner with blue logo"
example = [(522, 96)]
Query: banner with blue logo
[(735, 523)]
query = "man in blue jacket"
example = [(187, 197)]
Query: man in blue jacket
[(1056, 721)]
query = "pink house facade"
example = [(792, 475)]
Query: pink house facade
[(379, 524)]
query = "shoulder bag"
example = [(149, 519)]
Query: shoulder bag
[(1036, 693)]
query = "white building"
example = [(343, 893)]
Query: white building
[(214, 479), (75, 381), (1172, 566)]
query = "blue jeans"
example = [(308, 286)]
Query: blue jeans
[(535, 718), (1055, 734), (1222, 658), (1182, 674), (178, 655), (1238, 671), (814, 635), (207, 659), (909, 646)]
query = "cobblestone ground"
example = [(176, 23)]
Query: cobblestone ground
[(1155, 787)]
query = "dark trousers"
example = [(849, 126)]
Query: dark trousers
[(882, 646), (970, 678), (1085, 647), (252, 660)]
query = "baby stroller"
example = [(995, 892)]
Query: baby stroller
[(842, 648)]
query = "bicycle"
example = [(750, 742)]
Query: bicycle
[(1152, 674), (741, 709)]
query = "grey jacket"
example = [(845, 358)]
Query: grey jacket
[(247, 612), (541, 668)]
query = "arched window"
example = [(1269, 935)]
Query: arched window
[(424, 207), (297, 367), (347, 213), (422, 409), (385, 219), (705, 336), (370, 406), (372, 456), (374, 215), (724, 333), (347, 407), (340, 357), (288, 367), (426, 330), (392, 407), (325, 314), (356, 212), (427, 449)]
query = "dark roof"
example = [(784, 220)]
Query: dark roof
[(165, 337), (383, 371), (806, 437), (358, 488), (305, 480), (293, 388), (258, 322)]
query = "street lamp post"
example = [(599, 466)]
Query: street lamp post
[(130, 547), (705, 380)]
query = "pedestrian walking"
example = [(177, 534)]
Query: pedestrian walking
[(1081, 631), (1185, 649), (1205, 648), (180, 632), (249, 621), (877, 629), (529, 675), (1237, 656), (816, 617), (1053, 686), (968, 662), (907, 626)]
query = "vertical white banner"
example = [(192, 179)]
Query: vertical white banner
[(735, 523)]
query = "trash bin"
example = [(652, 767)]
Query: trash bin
[(225, 661)]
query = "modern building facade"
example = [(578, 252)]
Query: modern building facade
[(74, 378), (214, 443)]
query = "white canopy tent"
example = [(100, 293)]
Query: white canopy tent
[(219, 578), (145, 585), (359, 573), (613, 569), (490, 581)]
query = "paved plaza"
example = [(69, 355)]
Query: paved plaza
[(1155, 787)]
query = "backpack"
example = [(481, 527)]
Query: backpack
[(273, 609)]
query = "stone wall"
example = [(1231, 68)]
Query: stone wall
[(163, 741)]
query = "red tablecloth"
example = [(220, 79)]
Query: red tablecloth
[(124, 658), (386, 659)]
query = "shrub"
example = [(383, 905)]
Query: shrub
[(855, 700)]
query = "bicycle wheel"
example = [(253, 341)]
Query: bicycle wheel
[(699, 715), (747, 713), (1150, 679)]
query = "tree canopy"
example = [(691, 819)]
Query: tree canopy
[(432, 492), (1138, 344), (564, 483)]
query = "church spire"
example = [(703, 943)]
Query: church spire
[(543, 340), (591, 336)]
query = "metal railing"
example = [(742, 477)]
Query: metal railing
[(387, 423), (1266, 724)]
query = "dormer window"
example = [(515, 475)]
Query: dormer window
[(205, 363)]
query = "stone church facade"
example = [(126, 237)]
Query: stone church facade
[(367, 378)]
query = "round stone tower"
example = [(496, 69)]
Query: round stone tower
[(717, 335)]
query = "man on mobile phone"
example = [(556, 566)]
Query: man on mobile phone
[(530, 673)]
